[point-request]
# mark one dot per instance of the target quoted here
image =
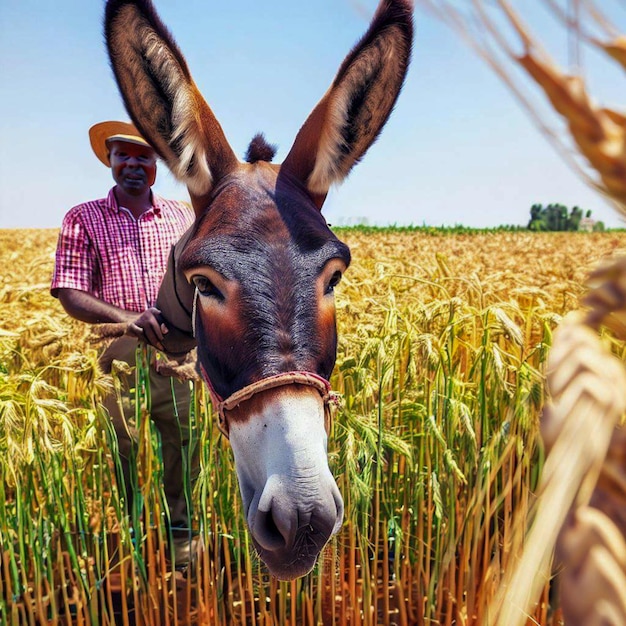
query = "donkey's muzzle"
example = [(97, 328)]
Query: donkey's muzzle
[(292, 501)]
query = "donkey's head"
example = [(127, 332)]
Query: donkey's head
[(263, 263)]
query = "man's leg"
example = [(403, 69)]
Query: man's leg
[(120, 404), (171, 401)]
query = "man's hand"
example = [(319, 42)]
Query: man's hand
[(148, 327)]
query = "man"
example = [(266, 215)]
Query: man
[(111, 257)]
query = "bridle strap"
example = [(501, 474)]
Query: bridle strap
[(330, 398), (175, 300)]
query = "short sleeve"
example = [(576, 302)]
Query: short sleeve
[(75, 260)]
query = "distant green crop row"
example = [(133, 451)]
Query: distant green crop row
[(457, 229)]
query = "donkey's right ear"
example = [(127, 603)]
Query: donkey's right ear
[(161, 97), (347, 120)]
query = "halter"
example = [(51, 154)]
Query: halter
[(330, 398)]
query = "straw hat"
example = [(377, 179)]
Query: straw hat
[(104, 132)]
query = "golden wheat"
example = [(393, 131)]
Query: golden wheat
[(443, 341)]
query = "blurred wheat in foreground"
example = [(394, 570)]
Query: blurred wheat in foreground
[(582, 496), (443, 345)]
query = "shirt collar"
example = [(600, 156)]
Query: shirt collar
[(157, 203)]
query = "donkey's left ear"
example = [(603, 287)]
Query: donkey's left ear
[(349, 117)]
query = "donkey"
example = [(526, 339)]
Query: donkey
[(256, 272)]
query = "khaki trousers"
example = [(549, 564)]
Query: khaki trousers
[(170, 401)]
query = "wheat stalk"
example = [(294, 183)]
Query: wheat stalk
[(587, 386), (598, 132)]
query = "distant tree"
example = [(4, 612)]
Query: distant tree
[(536, 219), (555, 217), (598, 227), (552, 217), (573, 221), (562, 209)]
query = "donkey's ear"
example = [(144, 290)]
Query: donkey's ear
[(161, 97), (347, 120)]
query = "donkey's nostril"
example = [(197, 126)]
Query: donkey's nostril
[(274, 519), (267, 532), (272, 533)]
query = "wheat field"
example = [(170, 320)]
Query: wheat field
[(443, 341)]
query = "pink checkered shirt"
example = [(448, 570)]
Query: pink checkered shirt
[(105, 251)]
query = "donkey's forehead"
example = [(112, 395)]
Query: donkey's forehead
[(257, 209)]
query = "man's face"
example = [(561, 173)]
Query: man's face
[(133, 166)]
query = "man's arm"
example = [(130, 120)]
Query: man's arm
[(87, 308)]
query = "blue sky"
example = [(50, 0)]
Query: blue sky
[(457, 149)]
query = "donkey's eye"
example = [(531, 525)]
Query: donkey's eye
[(335, 279), (206, 287)]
